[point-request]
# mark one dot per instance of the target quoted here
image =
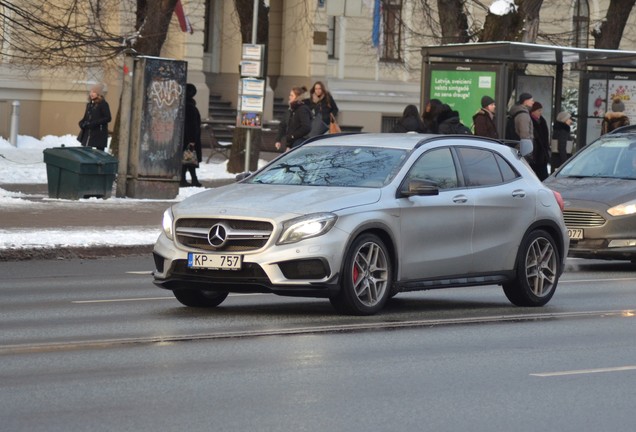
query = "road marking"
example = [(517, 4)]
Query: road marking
[(122, 300), (584, 371)]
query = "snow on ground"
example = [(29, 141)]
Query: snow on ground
[(24, 164)]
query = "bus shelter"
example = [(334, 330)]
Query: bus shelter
[(460, 74)]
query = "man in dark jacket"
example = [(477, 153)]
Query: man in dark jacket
[(484, 119), (191, 135), (449, 122)]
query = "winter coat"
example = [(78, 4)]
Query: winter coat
[(523, 122), (449, 124), (296, 124), (613, 120), (541, 148), (561, 133), (324, 106), (484, 124), (408, 124), (94, 124), (192, 127)]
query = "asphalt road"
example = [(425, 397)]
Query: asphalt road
[(93, 345)]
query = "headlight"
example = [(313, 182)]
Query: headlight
[(167, 223), (304, 227), (624, 209)]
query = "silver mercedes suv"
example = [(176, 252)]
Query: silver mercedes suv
[(359, 218)]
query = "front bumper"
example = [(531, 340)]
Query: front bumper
[(309, 268)]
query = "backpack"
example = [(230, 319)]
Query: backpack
[(511, 132)]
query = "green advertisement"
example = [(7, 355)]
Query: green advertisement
[(462, 90)]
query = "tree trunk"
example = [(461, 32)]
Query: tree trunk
[(610, 33), (453, 21), (152, 24), (517, 26)]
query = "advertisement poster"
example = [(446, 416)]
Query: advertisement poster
[(626, 91), (462, 90), (597, 98)]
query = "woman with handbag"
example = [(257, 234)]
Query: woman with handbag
[(191, 138), (322, 106), (94, 124), (296, 124)]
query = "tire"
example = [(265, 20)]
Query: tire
[(199, 298), (366, 277), (537, 272)]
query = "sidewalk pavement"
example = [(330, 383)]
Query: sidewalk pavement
[(45, 214)]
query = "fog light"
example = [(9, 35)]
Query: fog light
[(305, 269), (622, 243)]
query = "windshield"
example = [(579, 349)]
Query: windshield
[(334, 166), (613, 157)]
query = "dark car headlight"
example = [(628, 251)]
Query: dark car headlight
[(624, 209), (304, 227)]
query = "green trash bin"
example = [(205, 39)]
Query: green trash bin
[(79, 172)]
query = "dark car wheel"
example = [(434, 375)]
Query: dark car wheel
[(366, 277), (537, 272), (198, 298)]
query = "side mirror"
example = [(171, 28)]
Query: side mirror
[(242, 176), (525, 147), (419, 188)]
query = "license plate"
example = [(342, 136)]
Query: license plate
[(575, 234), (218, 262)]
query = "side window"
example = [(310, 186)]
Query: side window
[(435, 166), (507, 171), (479, 166)]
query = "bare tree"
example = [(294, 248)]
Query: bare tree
[(520, 24), (453, 21), (609, 33)]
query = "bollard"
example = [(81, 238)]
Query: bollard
[(15, 122)]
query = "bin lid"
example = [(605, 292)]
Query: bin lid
[(81, 159)]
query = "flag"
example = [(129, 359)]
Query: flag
[(184, 22), (377, 19)]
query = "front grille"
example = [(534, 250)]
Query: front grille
[(242, 235), (582, 219)]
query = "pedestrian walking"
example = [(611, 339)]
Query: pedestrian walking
[(322, 104), (296, 124)]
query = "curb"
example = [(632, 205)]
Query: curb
[(74, 253)]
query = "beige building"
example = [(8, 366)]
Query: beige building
[(309, 40)]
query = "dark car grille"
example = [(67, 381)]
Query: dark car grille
[(242, 235), (582, 219)]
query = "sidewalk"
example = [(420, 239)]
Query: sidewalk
[(41, 214)]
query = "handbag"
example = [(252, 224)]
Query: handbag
[(318, 127), (190, 156), (333, 125)]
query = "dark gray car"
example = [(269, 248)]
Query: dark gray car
[(598, 186)]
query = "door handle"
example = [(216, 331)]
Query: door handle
[(519, 193), (460, 199)]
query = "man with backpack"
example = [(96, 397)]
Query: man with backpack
[(519, 123)]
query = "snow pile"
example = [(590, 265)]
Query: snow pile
[(503, 7)]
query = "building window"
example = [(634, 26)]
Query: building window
[(581, 20), (392, 37), (332, 37)]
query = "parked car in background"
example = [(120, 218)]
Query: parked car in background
[(360, 218), (598, 186)]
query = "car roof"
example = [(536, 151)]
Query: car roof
[(405, 141)]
